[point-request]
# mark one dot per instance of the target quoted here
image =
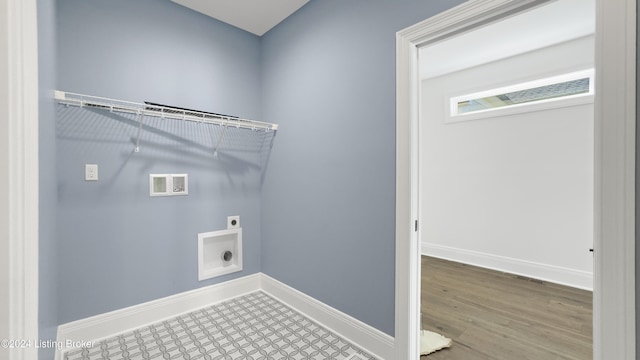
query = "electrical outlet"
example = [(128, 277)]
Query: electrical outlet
[(91, 172), (233, 222)]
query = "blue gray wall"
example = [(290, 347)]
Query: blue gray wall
[(324, 222), (48, 268), (116, 246), (328, 208), (327, 74)]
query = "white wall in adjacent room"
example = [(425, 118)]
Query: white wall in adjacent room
[(512, 192)]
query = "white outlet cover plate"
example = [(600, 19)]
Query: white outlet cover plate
[(230, 221), (91, 172)]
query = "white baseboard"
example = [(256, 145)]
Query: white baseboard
[(555, 274), (99, 327), (106, 325), (370, 339)]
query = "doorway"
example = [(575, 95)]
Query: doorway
[(506, 145), (614, 163), (506, 185)]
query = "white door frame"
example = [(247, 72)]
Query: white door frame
[(19, 178), (614, 167)]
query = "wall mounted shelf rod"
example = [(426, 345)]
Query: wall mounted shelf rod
[(141, 109)]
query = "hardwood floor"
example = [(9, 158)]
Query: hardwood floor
[(494, 315)]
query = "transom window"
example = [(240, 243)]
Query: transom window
[(543, 91)]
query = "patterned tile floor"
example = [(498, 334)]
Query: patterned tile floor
[(250, 327)]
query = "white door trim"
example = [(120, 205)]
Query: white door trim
[(614, 286), (19, 176), (615, 161)]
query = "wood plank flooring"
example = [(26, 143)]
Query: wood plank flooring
[(498, 316)]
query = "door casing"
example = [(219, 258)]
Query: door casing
[(614, 167)]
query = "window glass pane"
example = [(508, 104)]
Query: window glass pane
[(560, 89)]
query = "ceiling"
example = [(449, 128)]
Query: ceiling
[(563, 20), (254, 16), (551, 24)]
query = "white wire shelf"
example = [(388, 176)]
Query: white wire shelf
[(161, 111)]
